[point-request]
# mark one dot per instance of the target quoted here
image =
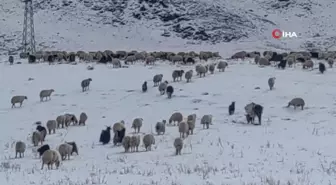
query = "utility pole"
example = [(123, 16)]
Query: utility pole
[(28, 35)]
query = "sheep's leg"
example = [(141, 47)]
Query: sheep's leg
[(68, 156), (13, 105), (302, 107), (207, 125), (294, 107), (20, 104), (42, 165), (20, 154), (23, 154), (54, 131), (177, 152), (49, 130), (15, 154)]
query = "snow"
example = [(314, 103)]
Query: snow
[(291, 145)]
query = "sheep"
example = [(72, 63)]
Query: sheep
[(137, 124), (297, 102), (74, 147), (271, 82), (191, 120), (105, 136), (42, 130), (162, 87), (45, 94), (36, 138), (60, 120), (160, 127), (212, 68), (18, 99), (308, 64), (282, 64), (239, 55), (206, 120), (42, 149), (82, 118), (116, 63), (178, 144), (150, 60), (70, 118), (126, 142), (134, 143), (201, 70), (188, 75), (144, 87), (51, 157), (20, 147), (85, 84), (256, 59), (258, 110), (65, 150), (157, 79), (322, 67), (119, 136), (176, 58), (51, 125), (263, 61), (175, 117), (148, 141), (11, 60), (330, 62), (118, 126), (130, 59), (221, 66), (170, 91), (232, 108), (177, 74), (183, 129)]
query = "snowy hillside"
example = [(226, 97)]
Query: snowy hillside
[(167, 24), (294, 146)]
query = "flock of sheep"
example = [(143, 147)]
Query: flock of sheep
[(185, 125)]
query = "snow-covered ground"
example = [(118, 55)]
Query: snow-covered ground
[(295, 146)]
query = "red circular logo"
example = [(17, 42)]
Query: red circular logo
[(277, 34)]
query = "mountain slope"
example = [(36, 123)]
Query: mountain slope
[(170, 22)]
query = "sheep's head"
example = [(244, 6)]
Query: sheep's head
[(26, 98), (52, 90)]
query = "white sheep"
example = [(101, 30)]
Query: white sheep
[(183, 128), (201, 70), (212, 68), (126, 142), (118, 126), (148, 141), (46, 94), (37, 137), (51, 126), (206, 120), (82, 118), (137, 124), (18, 99), (175, 117), (188, 75), (60, 121), (134, 143), (65, 150), (178, 144), (20, 147), (157, 79), (116, 63), (221, 66), (51, 157), (160, 127), (162, 87), (191, 120)]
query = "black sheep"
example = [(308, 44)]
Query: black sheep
[(232, 108), (105, 136), (11, 60), (249, 119), (276, 57), (119, 136), (144, 87), (258, 110), (322, 67), (314, 54), (282, 64), (31, 59), (42, 149), (189, 60), (170, 91)]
